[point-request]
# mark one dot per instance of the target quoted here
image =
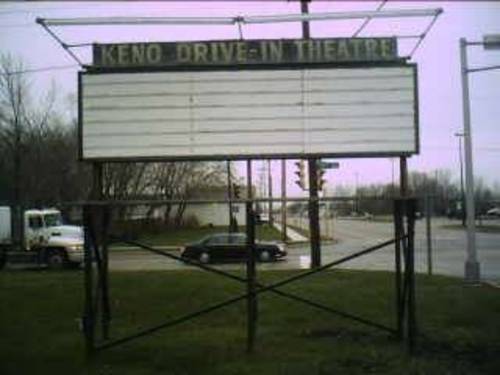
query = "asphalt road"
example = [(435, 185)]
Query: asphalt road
[(448, 255)]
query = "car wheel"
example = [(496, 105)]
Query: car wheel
[(204, 258), (265, 256), (56, 259)]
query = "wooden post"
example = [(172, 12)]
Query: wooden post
[(270, 192), (88, 314), (252, 307), (399, 229), (403, 177), (428, 213), (106, 309), (410, 269), (314, 228), (230, 197), (398, 232), (283, 202)]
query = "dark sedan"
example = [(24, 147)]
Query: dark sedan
[(230, 246)]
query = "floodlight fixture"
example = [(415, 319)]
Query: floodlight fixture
[(106, 21), (491, 41), (342, 15)]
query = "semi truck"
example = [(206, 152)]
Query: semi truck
[(46, 240)]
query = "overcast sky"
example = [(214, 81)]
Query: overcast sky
[(437, 59)]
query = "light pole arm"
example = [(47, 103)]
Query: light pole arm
[(483, 69)]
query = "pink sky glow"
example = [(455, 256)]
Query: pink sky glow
[(440, 108)]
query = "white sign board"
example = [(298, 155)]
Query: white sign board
[(324, 112)]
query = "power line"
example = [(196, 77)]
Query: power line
[(479, 149), (68, 7), (367, 20), (18, 25), (40, 70)]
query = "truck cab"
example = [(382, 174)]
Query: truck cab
[(58, 244), (46, 239)]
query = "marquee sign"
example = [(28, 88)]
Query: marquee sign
[(283, 112), (334, 97), (244, 52)]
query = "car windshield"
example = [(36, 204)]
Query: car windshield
[(238, 239), (226, 239), (52, 220)]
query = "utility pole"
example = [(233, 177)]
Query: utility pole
[(304, 9), (283, 200), (314, 228)]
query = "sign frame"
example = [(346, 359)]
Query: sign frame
[(92, 70)]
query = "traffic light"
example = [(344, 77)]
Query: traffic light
[(301, 174), (236, 191), (320, 173)]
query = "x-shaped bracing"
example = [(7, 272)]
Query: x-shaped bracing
[(260, 288)]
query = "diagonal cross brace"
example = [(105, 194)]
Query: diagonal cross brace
[(272, 289), (261, 289)]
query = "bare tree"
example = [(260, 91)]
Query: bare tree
[(40, 160), (13, 121), (178, 181)]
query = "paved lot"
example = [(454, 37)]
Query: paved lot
[(449, 247), (354, 235)]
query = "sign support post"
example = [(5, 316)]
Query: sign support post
[(230, 198), (314, 228), (252, 307), (283, 200)]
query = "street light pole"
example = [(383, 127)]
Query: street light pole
[(490, 42), (472, 269)]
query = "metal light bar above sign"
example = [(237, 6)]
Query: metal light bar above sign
[(390, 13), (97, 21), (249, 113), (393, 13)]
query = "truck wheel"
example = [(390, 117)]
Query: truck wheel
[(3, 258), (56, 259)]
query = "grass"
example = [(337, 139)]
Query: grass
[(459, 326), (305, 233), (299, 230), (179, 237), (484, 228), (382, 219)]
